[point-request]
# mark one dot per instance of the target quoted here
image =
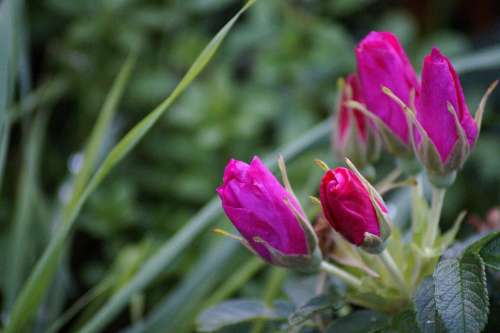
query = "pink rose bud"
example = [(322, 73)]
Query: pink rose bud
[(382, 61), (354, 136), (268, 217), (449, 131), (353, 209)]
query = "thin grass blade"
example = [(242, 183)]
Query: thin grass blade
[(17, 260), (5, 77)]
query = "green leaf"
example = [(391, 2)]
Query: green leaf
[(427, 316), (488, 247), (405, 322), (490, 253), (364, 321), (460, 294), (234, 312), (315, 305)]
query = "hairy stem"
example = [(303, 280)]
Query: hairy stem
[(346, 277)]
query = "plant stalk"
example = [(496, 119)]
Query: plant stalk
[(436, 207), (346, 277), (394, 271)]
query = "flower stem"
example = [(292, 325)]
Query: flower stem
[(341, 274), (394, 271), (433, 226)]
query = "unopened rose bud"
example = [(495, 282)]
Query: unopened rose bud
[(354, 210), (382, 62), (268, 217), (354, 135), (449, 131)]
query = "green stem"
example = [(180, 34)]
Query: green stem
[(341, 274), (394, 271), (433, 226)]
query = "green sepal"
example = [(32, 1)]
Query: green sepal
[(237, 238), (373, 244), (376, 199), (393, 143), (442, 181), (302, 263), (448, 237), (480, 109), (444, 175), (440, 174), (461, 149), (311, 238), (362, 152)]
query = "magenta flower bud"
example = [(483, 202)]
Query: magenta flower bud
[(353, 210), (354, 136), (268, 217), (382, 61), (443, 114)]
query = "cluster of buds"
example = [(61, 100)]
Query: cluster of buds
[(273, 225), (427, 118)]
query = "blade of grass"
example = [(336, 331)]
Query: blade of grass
[(83, 301), (17, 260), (43, 273), (5, 77), (32, 138), (174, 313), (96, 139), (47, 93)]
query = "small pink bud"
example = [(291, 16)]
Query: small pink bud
[(349, 207), (354, 136)]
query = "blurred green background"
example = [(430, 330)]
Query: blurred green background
[(273, 79)]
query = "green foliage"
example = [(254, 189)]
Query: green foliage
[(272, 81), (405, 322), (488, 247), (329, 301), (460, 294), (427, 315), (365, 321)]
